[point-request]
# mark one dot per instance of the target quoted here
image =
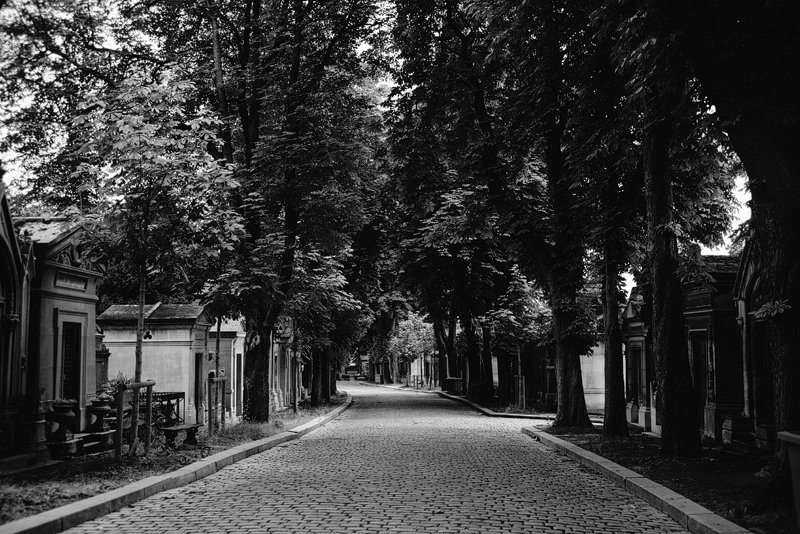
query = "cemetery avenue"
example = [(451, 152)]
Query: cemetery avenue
[(213, 211), (398, 462)]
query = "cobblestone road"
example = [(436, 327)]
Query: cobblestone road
[(398, 462)]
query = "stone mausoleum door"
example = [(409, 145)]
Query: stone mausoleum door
[(699, 359), (71, 369)]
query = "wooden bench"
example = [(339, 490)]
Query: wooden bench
[(171, 432)]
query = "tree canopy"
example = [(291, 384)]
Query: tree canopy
[(492, 166)]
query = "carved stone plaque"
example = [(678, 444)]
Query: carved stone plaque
[(70, 281)]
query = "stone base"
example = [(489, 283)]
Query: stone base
[(632, 413), (737, 434), (62, 449), (97, 440), (791, 443), (277, 399), (714, 415), (655, 417), (645, 418)]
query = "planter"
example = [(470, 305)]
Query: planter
[(101, 410), (791, 441), (65, 418)]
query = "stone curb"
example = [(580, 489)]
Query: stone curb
[(492, 413), (401, 388), (686, 512), (70, 515)]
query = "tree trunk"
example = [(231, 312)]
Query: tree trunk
[(316, 377), (565, 273), (453, 357), (137, 373), (566, 278), (571, 410), (308, 375), (680, 431), (250, 85), (325, 371), (487, 371), (257, 373), (614, 420), (250, 113), (473, 357), (216, 370), (441, 346), (394, 370), (227, 147)]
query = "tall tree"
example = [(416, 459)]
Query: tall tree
[(544, 43), (160, 192), (605, 152), (519, 316), (53, 54), (686, 165), (291, 73), (328, 319), (745, 55)]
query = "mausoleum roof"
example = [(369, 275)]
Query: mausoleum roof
[(153, 312), (719, 263), (45, 230)]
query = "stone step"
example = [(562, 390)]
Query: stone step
[(62, 449), (23, 461), (92, 446), (96, 440)]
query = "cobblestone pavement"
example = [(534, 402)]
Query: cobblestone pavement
[(398, 462)]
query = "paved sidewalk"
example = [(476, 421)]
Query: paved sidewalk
[(398, 462)]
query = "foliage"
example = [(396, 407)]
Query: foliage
[(347, 162), (53, 55), (327, 316), (413, 339), (521, 313), (773, 308), (117, 383), (162, 199)]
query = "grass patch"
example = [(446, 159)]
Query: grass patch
[(730, 484)]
